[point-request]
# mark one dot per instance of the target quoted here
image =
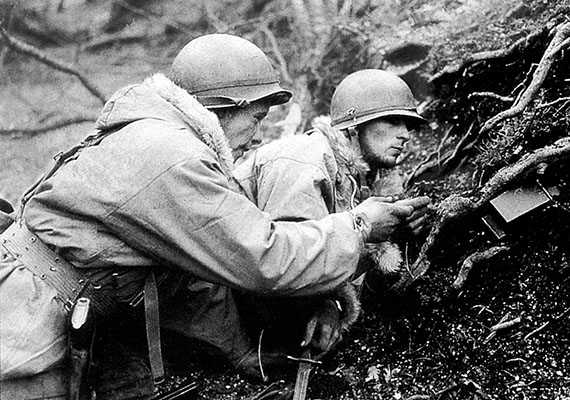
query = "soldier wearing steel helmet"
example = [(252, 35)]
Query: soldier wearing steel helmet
[(144, 216), (333, 168)]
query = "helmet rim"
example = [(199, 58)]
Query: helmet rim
[(224, 70), (347, 122), (236, 95)]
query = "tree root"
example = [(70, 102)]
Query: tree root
[(455, 207), (491, 55), (27, 49), (470, 261), (560, 41)]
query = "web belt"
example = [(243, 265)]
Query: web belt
[(70, 284)]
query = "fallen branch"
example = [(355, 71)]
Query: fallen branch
[(48, 127), (25, 48), (560, 41), (473, 259)]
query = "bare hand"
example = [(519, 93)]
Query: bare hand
[(414, 223), (324, 330), (382, 218)]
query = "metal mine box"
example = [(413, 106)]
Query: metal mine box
[(515, 203)]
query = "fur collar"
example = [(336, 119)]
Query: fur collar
[(196, 116), (346, 153)]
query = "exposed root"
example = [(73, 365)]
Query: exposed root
[(560, 41), (491, 55), (474, 258), (455, 207)]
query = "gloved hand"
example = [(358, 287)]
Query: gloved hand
[(379, 219)]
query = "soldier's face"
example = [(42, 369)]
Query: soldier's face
[(241, 126), (382, 141)]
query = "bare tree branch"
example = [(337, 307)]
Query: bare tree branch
[(151, 16), (48, 127), (25, 48), (277, 52)]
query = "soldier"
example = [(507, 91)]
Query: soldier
[(145, 213), (332, 169)]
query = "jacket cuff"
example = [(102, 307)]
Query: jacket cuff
[(361, 224)]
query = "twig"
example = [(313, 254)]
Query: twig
[(151, 16), (418, 397), (492, 95), (506, 324), (39, 55), (554, 102), (559, 42), (474, 258), (48, 127), (107, 40), (558, 317)]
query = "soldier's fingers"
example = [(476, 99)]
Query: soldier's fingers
[(402, 211), (416, 202), (417, 214), (334, 339), (325, 337), (415, 223), (309, 332)]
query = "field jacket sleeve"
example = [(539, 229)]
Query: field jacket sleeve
[(196, 222)]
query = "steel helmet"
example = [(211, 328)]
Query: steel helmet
[(369, 94), (226, 71)]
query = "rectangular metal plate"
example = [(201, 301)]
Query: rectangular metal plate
[(515, 203)]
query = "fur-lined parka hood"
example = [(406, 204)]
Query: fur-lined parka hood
[(159, 98), (347, 154)]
